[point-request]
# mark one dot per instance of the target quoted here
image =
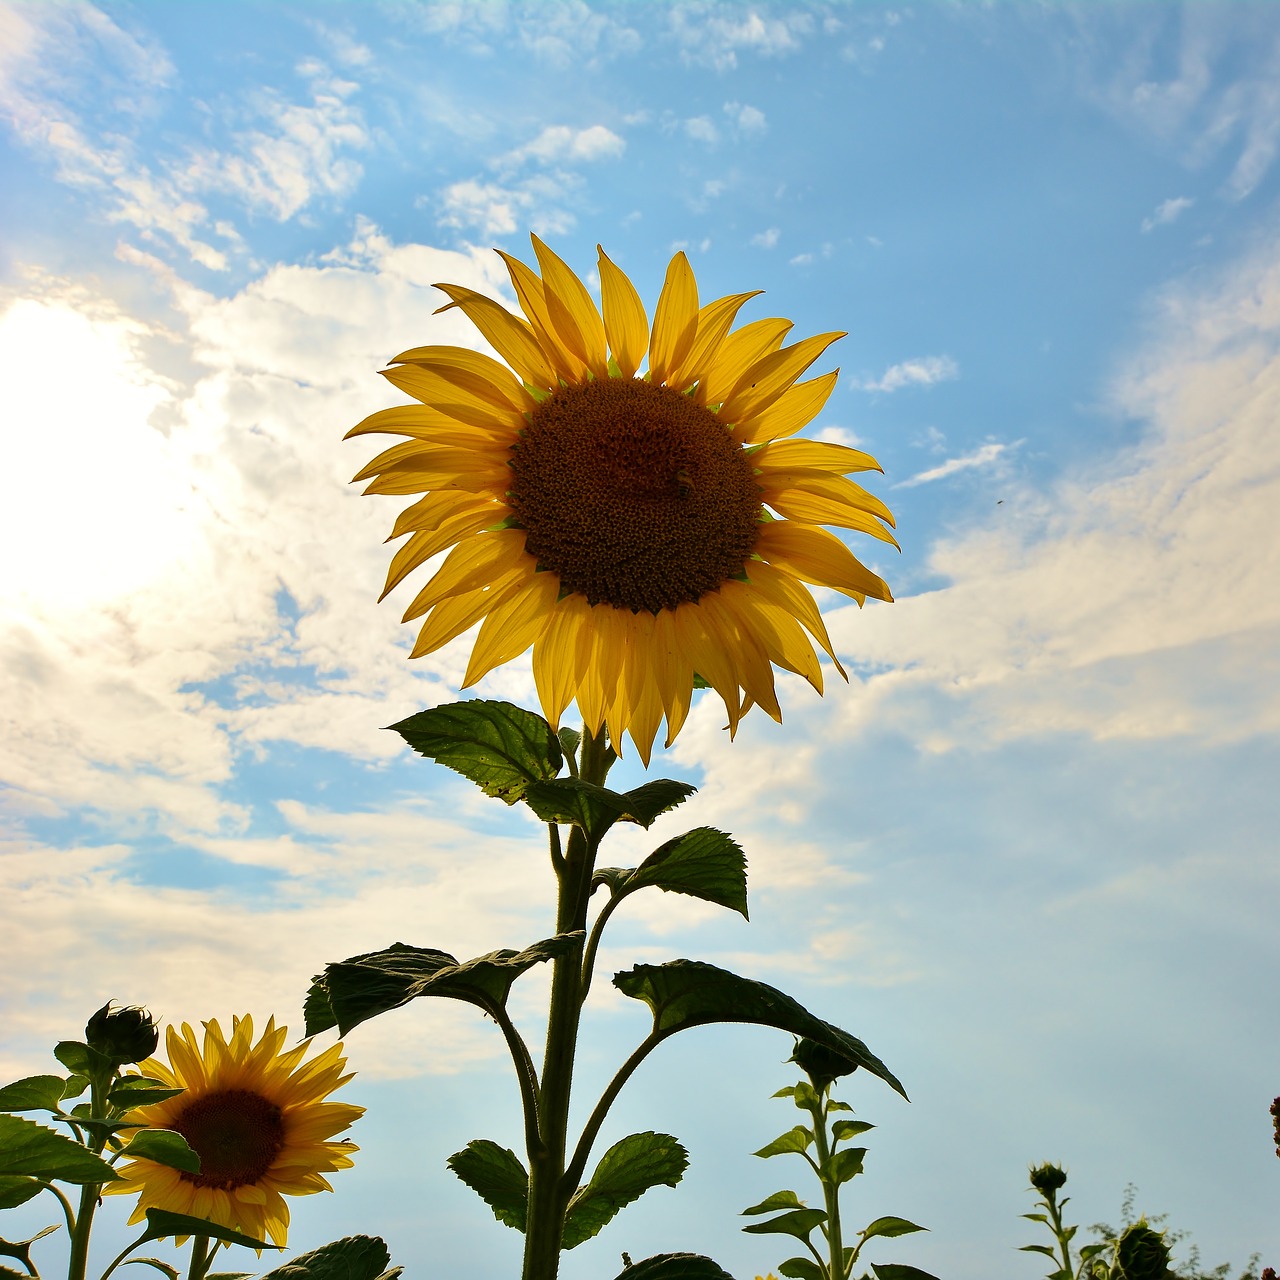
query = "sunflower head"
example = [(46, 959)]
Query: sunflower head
[(258, 1118), (638, 529)]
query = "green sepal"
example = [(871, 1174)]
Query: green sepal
[(843, 1129), (163, 1146), (16, 1190), (895, 1271), (779, 1200), (625, 1172), (675, 1266), (352, 1258), (703, 863), (891, 1226), (29, 1149), (33, 1093), (595, 809), (165, 1268), (500, 747), (569, 739), (700, 683), (161, 1224), (355, 990), (82, 1060), (798, 1223), (140, 1091), (689, 993), (797, 1139), (801, 1269), (496, 1175), (21, 1249), (843, 1166)]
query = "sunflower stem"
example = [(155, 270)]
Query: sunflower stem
[(78, 1262), (201, 1256), (548, 1197)]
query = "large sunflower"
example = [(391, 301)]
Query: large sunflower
[(636, 530), (256, 1117)]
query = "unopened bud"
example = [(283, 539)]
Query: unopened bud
[(820, 1064), (1141, 1254), (123, 1035), (1048, 1178)]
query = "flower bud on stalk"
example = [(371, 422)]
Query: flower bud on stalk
[(1141, 1254), (1048, 1178), (820, 1064), (124, 1035)]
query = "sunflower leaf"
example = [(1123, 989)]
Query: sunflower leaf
[(21, 1249), (675, 1266), (353, 1258), (891, 1227), (487, 980), (625, 1172), (32, 1093), (496, 1175), (163, 1146), (140, 1091), (794, 1140), (161, 1223), (31, 1149), (895, 1271), (502, 748), (16, 1190), (798, 1223), (81, 1059), (801, 1269), (842, 1166), (167, 1268), (649, 801), (688, 993), (703, 863), (363, 986), (595, 809), (779, 1200)]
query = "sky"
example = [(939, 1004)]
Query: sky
[(1027, 853)]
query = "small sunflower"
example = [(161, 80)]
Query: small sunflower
[(637, 530), (256, 1117)]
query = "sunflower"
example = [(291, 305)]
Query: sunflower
[(642, 532), (256, 1117)]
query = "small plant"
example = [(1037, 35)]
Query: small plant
[(833, 1167)]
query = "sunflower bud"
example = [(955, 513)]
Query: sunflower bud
[(1048, 1178), (1141, 1254), (123, 1035), (820, 1064)]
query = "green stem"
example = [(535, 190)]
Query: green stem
[(201, 1256), (830, 1189), (548, 1198), (78, 1262), (1050, 1202), (67, 1211)]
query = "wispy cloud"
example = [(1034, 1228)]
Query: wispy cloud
[(702, 129), (766, 239), (714, 35), (922, 371), (560, 144), (1167, 211), (983, 456), (747, 119)]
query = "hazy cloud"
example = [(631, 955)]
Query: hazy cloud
[(1167, 211), (921, 371), (983, 456)]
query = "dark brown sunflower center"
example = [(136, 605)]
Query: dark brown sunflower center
[(236, 1133), (633, 494)]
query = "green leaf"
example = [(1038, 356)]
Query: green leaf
[(779, 1200), (80, 1059), (165, 1147), (502, 748), (798, 1223), (675, 1266), (8, 1273), (1038, 1248), (31, 1149), (569, 740), (32, 1093), (688, 993), (703, 863), (891, 1227), (843, 1129), (166, 1268), (228, 1275), (140, 1091), (797, 1139), (625, 1172), (843, 1166), (833, 1105), (15, 1190), (595, 809), (801, 1269), (353, 1258), (75, 1086), (161, 1224), (805, 1096), (893, 1271), (21, 1249), (496, 1175), (358, 989)]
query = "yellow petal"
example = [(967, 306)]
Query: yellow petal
[(749, 660), (672, 673), (812, 455), (675, 321), (796, 407), (458, 394), (782, 590), (707, 655), (626, 324), (512, 338), (771, 375), (714, 321), (815, 555), (422, 422), (432, 511), (571, 310), (512, 627), (737, 353), (429, 542), (450, 618), (781, 636), (817, 508), (529, 292), (555, 657), (413, 455), (836, 487), (473, 371), (468, 566)]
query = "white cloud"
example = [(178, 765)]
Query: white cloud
[(747, 119), (922, 371), (702, 129), (558, 144), (766, 239), (713, 34), (984, 456), (494, 209), (800, 260), (1167, 211)]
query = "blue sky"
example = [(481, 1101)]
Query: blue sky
[(1028, 853)]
